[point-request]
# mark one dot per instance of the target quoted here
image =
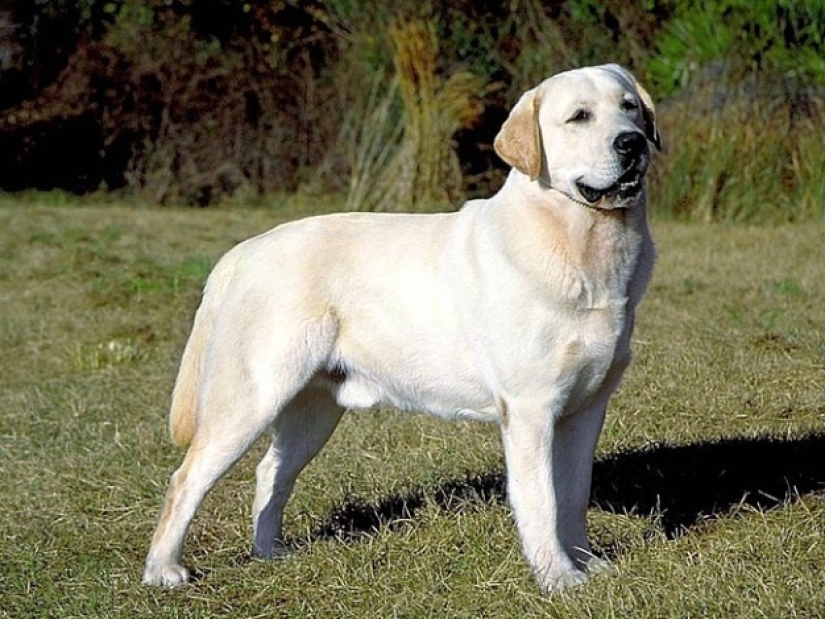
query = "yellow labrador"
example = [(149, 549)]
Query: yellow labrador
[(517, 309)]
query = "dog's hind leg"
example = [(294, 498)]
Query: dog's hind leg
[(209, 457), (243, 391), (298, 434)]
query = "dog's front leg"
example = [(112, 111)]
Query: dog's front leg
[(574, 443), (533, 490)]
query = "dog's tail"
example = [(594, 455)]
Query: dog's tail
[(183, 414)]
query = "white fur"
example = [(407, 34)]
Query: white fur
[(517, 309)]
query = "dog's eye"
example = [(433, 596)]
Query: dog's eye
[(628, 105), (579, 116)]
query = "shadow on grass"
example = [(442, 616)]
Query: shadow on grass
[(682, 484)]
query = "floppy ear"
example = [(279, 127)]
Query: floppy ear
[(649, 116), (518, 142)]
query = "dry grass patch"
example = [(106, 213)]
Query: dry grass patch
[(708, 495)]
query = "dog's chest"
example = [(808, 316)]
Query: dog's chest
[(591, 328), (589, 347)]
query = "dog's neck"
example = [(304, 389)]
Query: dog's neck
[(601, 243)]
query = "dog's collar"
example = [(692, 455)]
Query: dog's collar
[(572, 198)]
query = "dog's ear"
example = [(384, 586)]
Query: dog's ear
[(519, 141), (649, 116)]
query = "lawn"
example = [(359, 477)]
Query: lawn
[(709, 489)]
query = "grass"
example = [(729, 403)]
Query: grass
[(739, 160), (708, 495), (409, 163)]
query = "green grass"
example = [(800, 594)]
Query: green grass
[(708, 494)]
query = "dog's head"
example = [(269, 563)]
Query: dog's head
[(585, 133)]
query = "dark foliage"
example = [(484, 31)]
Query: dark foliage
[(191, 101)]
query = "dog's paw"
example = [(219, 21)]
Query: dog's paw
[(596, 565), (165, 575), (271, 552), (556, 582)]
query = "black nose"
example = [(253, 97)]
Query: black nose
[(630, 144)]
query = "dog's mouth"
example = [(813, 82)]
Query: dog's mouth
[(627, 185)]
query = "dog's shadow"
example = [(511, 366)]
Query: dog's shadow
[(681, 484)]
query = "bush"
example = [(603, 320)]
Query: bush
[(194, 101), (746, 86), (237, 104), (778, 41), (744, 161)]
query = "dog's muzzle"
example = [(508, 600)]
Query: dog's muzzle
[(634, 157)]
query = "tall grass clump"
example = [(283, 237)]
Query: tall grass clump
[(370, 137), (423, 171), (745, 161)]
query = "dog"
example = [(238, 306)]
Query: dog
[(517, 309)]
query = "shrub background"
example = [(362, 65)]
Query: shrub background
[(201, 101)]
